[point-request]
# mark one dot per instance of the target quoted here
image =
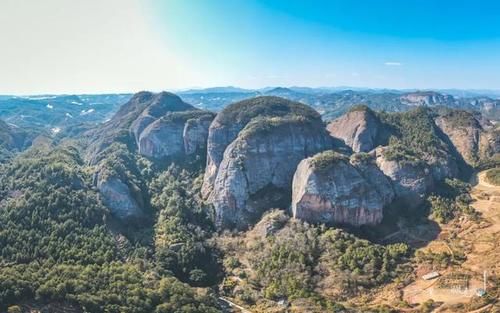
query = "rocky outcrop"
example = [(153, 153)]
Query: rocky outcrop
[(254, 147), (176, 134), (427, 98), (360, 129), (466, 133), (116, 195), (328, 188), (161, 125), (195, 133), (411, 179), (161, 139), (365, 164), (157, 126), (170, 127)]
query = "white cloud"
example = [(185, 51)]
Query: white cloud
[(393, 63)]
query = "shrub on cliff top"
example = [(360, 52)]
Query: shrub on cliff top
[(244, 111), (326, 159)]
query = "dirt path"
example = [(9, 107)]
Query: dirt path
[(482, 182), (480, 243), (485, 254)]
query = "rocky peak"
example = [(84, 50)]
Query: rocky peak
[(411, 179), (466, 133), (253, 149), (229, 122), (330, 188), (157, 126), (360, 129), (175, 134)]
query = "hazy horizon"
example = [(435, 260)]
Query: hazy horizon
[(114, 46), (265, 88)]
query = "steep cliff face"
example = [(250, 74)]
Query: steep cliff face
[(116, 195), (327, 188), (195, 133), (360, 129), (175, 134), (157, 126), (169, 127), (467, 134), (411, 180), (366, 165), (254, 147), (161, 139)]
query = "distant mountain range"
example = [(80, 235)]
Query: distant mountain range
[(56, 113), (333, 102)]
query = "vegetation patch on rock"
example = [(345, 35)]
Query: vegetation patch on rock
[(324, 160), (243, 111)]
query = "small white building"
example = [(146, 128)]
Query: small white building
[(431, 275)]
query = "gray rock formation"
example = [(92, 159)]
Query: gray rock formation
[(161, 126), (254, 147), (176, 134), (117, 196), (468, 136), (367, 167), (427, 98), (411, 180), (195, 133), (169, 127), (162, 139), (327, 188), (360, 129)]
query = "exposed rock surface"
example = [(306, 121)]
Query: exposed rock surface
[(155, 125), (169, 127), (161, 139), (160, 125), (410, 180), (178, 133), (254, 147), (360, 129), (327, 188), (116, 195), (195, 133), (427, 98), (473, 142), (367, 167)]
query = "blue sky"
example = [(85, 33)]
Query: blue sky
[(399, 44), (60, 46)]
